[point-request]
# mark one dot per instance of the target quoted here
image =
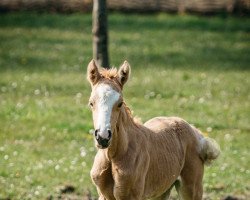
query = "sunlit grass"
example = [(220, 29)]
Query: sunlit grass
[(188, 66)]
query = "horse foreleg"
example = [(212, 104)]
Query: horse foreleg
[(102, 177), (128, 186), (125, 192)]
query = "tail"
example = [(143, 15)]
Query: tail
[(210, 150)]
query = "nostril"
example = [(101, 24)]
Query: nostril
[(109, 132), (96, 133)]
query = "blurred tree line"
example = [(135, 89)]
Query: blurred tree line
[(181, 6)]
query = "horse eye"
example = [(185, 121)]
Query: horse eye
[(120, 104), (91, 104)]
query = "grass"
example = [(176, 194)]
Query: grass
[(188, 66)]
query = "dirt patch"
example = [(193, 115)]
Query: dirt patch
[(233, 198), (68, 192)]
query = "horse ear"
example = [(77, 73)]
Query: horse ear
[(93, 74), (124, 72)]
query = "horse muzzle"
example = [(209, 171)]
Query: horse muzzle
[(103, 143)]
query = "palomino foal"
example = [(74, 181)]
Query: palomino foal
[(138, 161)]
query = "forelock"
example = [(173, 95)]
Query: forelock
[(109, 73)]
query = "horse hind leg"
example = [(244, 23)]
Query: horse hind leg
[(190, 186), (187, 193)]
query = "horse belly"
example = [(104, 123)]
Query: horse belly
[(160, 178)]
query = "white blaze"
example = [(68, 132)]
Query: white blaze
[(107, 98)]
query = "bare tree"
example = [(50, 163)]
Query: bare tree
[(100, 33)]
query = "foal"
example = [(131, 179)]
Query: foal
[(138, 161)]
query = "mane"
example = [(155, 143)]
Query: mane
[(108, 73), (135, 119)]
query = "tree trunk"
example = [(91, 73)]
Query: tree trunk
[(100, 33)]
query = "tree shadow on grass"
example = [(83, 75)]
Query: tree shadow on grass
[(126, 22), (181, 23), (75, 22), (194, 57)]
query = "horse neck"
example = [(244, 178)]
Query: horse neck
[(125, 128)]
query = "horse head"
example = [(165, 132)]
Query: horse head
[(106, 100)]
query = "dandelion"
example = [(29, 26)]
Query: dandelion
[(14, 85), (83, 153), (37, 92), (223, 168), (46, 93), (228, 137), (43, 129), (78, 95), (40, 166), (201, 100), (40, 103), (91, 149), (209, 129), (216, 80), (61, 160), (242, 170), (28, 179), (19, 105), (152, 94), (65, 130), (146, 96), (78, 98), (203, 75), (66, 170), (26, 78), (146, 80), (39, 187), (11, 164), (83, 164), (57, 167), (3, 89), (49, 162), (243, 158), (73, 162)]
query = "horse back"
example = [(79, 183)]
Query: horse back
[(173, 132), (159, 124)]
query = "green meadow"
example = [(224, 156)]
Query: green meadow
[(194, 67)]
